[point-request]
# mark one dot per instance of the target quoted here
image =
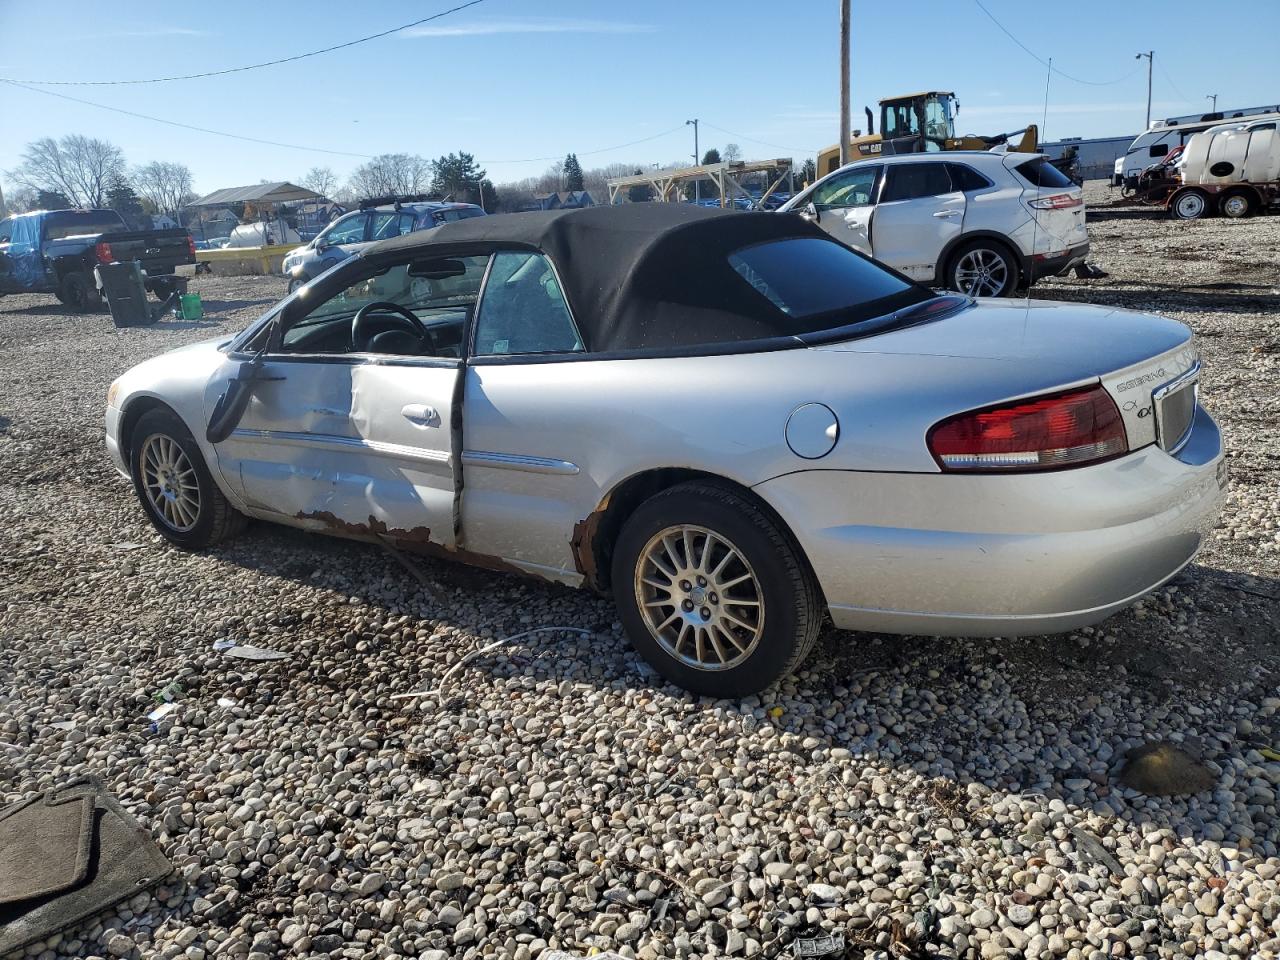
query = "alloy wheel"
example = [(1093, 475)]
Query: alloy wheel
[(699, 597), (169, 480), (982, 273)]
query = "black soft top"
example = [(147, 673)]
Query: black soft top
[(640, 276)]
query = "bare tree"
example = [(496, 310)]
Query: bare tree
[(322, 180), (18, 199), (166, 185), (391, 174), (79, 167), (731, 153)]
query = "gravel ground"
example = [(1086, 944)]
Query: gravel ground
[(925, 797)]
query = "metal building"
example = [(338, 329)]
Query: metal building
[(1097, 156)]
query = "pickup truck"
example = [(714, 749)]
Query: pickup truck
[(55, 251)]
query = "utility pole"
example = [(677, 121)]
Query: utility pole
[(844, 142), (1151, 59), (1214, 98), (697, 159)]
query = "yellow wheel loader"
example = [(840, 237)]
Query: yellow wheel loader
[(917, 123)]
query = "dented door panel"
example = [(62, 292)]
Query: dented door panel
[(362, 446)]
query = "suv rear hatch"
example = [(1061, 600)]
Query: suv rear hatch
[(1055, 204)]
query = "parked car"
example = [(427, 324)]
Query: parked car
[(730, 422), (352, 233), (985, 224), (55, 251)]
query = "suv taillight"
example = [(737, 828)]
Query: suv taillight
[(191, 246), (1058, 201), (103, 251), (1060, 430)]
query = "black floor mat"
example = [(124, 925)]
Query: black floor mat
[(67, 856)]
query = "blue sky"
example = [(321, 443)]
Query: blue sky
[(526, 80)]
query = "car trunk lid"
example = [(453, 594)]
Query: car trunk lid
[(1026, 347)]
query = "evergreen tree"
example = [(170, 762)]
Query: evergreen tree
[(122, 199), (808, 171), (458, 176), (711, 156), (51, 200), (572, 173)]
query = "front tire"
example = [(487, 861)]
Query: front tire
[(1189, 205), (983, 268), (174, 485), (713, 592)]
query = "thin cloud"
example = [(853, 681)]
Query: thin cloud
[(483, 28), (158, 32)]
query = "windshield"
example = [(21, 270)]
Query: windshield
[(78, 223), (820, 284)]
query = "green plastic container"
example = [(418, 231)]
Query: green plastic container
[(190, 307)]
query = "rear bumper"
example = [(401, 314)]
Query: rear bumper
[(1055, 265), (954, 555)]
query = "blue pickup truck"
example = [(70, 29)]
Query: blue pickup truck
[(56, 251)]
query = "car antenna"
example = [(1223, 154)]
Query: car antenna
[(1035, 216)]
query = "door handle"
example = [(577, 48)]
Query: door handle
[(421, 414), (947, 213)]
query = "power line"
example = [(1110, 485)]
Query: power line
[(1045, 63), (1165, 73), (295, 146), (587, 153), (251, 66), (184, 126), (766, 143)]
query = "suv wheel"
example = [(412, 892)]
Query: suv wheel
[(983, 268), (714, 594)]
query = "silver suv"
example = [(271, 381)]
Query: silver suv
[(353, 232), (983, 223)]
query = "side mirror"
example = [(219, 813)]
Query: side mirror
[(811, 212), (320, 244)]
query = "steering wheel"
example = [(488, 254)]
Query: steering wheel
[(359, 341)]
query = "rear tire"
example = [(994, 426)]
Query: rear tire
[(1236, 205), (983, 268), (1189, 205), (174, 485), (713, 592), (78, 292)]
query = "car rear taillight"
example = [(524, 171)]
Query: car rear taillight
[(1058, 201), (191, 246), (1060, 430), (103, 251)]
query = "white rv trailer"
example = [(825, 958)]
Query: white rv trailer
[(1163, 136)]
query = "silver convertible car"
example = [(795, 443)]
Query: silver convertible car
[(731, 422)]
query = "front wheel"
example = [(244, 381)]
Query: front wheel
[(174, 485), (1190, 205), (713, 592), (983, 268)]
